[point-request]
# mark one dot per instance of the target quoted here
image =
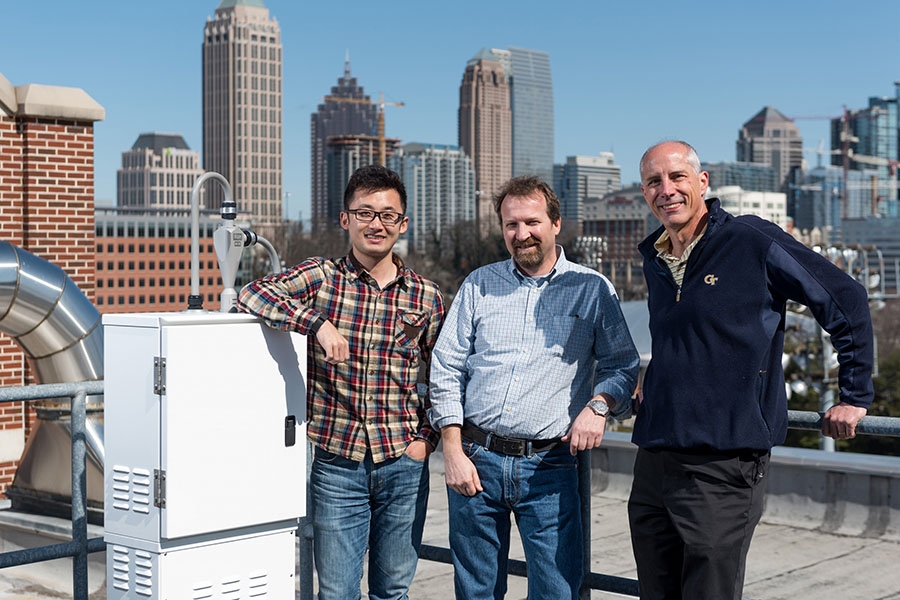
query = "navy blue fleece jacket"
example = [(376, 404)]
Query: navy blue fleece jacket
[(715, 380)]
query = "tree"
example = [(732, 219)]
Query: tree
[(298, 245), (886, 322), (449, 258)]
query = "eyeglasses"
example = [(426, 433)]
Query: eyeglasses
[(364, 215)]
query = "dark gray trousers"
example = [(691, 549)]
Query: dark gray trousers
[(692, 516)]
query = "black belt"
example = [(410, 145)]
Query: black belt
[(507, 445)]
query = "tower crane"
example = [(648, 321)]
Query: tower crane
[(379, 126), (846, 151)]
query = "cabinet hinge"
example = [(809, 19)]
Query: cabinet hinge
[(159, 488), (159, 375)]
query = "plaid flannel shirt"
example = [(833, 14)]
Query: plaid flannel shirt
[(369, 403)]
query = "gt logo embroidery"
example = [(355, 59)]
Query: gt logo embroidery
[(710, 279)]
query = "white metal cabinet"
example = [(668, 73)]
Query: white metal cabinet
[(205, 439)]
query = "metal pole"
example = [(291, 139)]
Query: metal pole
[(872, 425), (79, 498), (826, 401), (305, 535), (195, 300), (305, 565), (584, 491)]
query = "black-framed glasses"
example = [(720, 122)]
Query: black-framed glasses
[(364, 215)]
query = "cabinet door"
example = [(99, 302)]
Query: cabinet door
[(229, 390), (131, 431)]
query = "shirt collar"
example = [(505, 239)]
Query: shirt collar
[(562, 265), (663, 244), (355, 270)]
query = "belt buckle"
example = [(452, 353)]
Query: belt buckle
[(510, 446)]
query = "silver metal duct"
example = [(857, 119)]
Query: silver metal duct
[(61, 333)]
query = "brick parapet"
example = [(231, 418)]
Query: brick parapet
[(46, 203)]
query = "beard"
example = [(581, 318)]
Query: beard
[(533, 257)]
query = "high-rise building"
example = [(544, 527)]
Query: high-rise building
[(531, 102), (346, 111), (158, 172), (440, 185), (344, 154), (485, 130), (770, 138), (867, 139), (242, 108), (749, 176), (816, 201), (583, 177)]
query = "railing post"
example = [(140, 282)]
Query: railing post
[(79, 497), (305, 559), (584, 491)]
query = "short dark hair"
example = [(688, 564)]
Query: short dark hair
[(524, 186), (374, 178)]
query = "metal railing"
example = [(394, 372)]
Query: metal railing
[(873, 425), (80, 546)]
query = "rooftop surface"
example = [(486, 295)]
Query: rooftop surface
[(785, 563)]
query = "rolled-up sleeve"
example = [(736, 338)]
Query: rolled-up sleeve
[(618, 361), (283, 300)]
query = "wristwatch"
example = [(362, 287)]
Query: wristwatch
[(600, 407)]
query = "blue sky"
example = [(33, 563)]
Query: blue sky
[(626, 74)]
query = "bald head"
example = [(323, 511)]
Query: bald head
[(690, 155)]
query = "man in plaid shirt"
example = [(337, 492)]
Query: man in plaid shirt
[(371, 323)]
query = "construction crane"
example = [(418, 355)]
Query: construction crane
[(860, 158), (379, 126), (846, 151)]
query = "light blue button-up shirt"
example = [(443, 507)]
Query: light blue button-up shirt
[(521, 356)]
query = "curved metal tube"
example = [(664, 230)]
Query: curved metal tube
[(52, 320), (61, 333), (252, 238), (274, 259), (195, 232)]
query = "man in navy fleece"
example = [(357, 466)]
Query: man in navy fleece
[(714, 399)]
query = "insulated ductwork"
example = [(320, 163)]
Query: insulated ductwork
[(60, 332)]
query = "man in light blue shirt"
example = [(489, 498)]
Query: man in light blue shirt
[(533, 357)]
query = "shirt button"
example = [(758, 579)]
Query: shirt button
[(372, 372)]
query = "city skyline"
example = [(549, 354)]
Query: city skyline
[(242, 110), (624, 77)]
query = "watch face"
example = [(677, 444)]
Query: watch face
[(601, 408)]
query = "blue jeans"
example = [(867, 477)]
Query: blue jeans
[(360, 506), (541, 490)]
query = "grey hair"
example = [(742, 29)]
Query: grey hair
[(691, 155)]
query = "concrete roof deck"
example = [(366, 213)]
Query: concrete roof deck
[(785, 563)]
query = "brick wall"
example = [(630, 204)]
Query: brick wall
[(46, 208)]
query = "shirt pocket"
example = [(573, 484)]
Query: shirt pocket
[(409, 327), (404, 365)]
